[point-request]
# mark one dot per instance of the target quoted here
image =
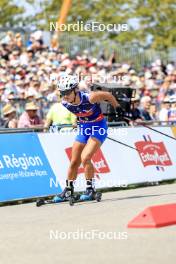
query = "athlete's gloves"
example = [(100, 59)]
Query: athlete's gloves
[(119, 111)]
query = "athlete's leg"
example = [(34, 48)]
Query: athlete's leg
[(92, 146), (72, 172), (75, 160), (89, 150)]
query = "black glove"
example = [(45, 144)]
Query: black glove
[(119, 111)]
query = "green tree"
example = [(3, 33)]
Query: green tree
[(104, 12), (156, 19), (10, 13)]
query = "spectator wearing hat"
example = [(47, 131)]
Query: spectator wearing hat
[(9, 113), (30, 117), (30, 95)]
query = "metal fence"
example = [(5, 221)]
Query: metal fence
[(129, 52), (74, 44)]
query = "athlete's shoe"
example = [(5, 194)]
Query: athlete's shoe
[(63, 196), (88, 195)]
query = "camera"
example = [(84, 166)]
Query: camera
[(123, 94)]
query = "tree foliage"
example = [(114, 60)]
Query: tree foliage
[(10, 13), (155, 19)]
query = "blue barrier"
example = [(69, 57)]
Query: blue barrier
[(25, 171)]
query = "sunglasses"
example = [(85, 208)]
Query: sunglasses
[(63, 93)]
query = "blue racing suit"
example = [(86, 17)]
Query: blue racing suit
[(91, 120)]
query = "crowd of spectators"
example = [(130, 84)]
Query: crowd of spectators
[(29, 73)]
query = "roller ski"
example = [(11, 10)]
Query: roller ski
[(89, 195), (54, 200), (62, 197), (42, 201)]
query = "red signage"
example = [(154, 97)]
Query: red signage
[(98, 160), (153, 153)]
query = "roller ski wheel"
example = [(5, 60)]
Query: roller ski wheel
[(40, 202), (74, 199), (71, 201), (98, 196)]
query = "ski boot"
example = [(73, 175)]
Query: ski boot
[(63, 196), (89, 195), (66, 194)]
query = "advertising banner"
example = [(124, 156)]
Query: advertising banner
[(24, 167), (117, 165), (33, 165)]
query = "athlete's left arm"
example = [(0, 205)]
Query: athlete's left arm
[(99, 96)]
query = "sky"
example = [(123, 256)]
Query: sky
[(30, 10)]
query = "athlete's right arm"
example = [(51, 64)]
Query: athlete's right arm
[(99, 96)]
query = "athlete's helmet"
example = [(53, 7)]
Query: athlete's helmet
[(67, 83)]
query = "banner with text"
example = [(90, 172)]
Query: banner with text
[(24, 168)]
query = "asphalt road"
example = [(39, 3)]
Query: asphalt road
[(88, 232)]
